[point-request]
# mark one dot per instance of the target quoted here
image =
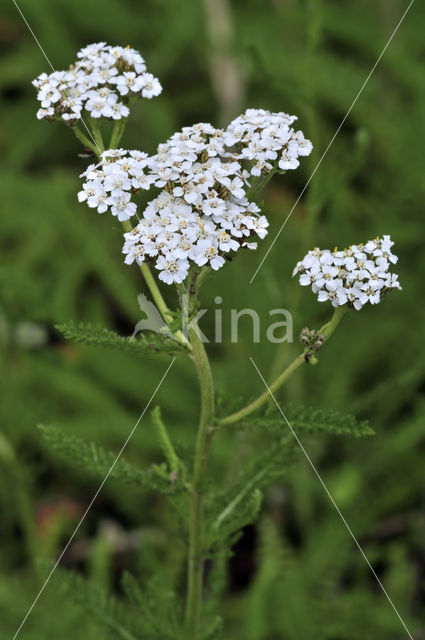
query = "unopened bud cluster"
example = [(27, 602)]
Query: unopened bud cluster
[(311, 339)]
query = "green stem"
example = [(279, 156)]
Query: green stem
[(196, 533), (264, 397), (326, 331), (166, 444), (86, 141), (328, 328), (117, 133), (260, 184), (156, 294), (97, 135), (199, 279)]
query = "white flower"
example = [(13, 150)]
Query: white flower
[(116, 180), (355, 276), (45, 113), (226, 242), (206, 252), (122, 207), (118, 111), (150, 86), (288, 162), (127, 82), (172, 269)]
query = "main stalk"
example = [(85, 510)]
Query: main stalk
[(196, 533)]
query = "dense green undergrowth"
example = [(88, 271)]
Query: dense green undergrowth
[(297, 573)]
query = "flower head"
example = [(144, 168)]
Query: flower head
[(203, 211), (101, 83), (267, 139), (355, 276), (112, 182)]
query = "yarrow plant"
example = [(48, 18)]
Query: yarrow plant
[(204, 209)]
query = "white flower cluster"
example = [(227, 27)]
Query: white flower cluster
[(354, 276), (202, 212), (266, 138), (101, 82), (110, 183)]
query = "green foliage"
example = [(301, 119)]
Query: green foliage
[(95, 460), (62, 261), (284, 575), (107, 611), (136, 616), (239, 503), (102, 337), (161, 613), (306, 420)]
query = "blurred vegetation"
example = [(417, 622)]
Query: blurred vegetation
[(298, 573)]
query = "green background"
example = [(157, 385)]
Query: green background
[(298, 574)]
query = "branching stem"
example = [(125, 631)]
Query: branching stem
[(117, 133), (326, 331), (97, 136), (85, 140)]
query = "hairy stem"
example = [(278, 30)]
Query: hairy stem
[(196, 533), (326, 331)]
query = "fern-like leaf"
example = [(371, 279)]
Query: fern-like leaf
[(96, 335), (101, 463), (307, 420)]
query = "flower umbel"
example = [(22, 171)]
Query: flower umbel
[(353, 276), (266, 138), (203, 211), (101, 82)]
